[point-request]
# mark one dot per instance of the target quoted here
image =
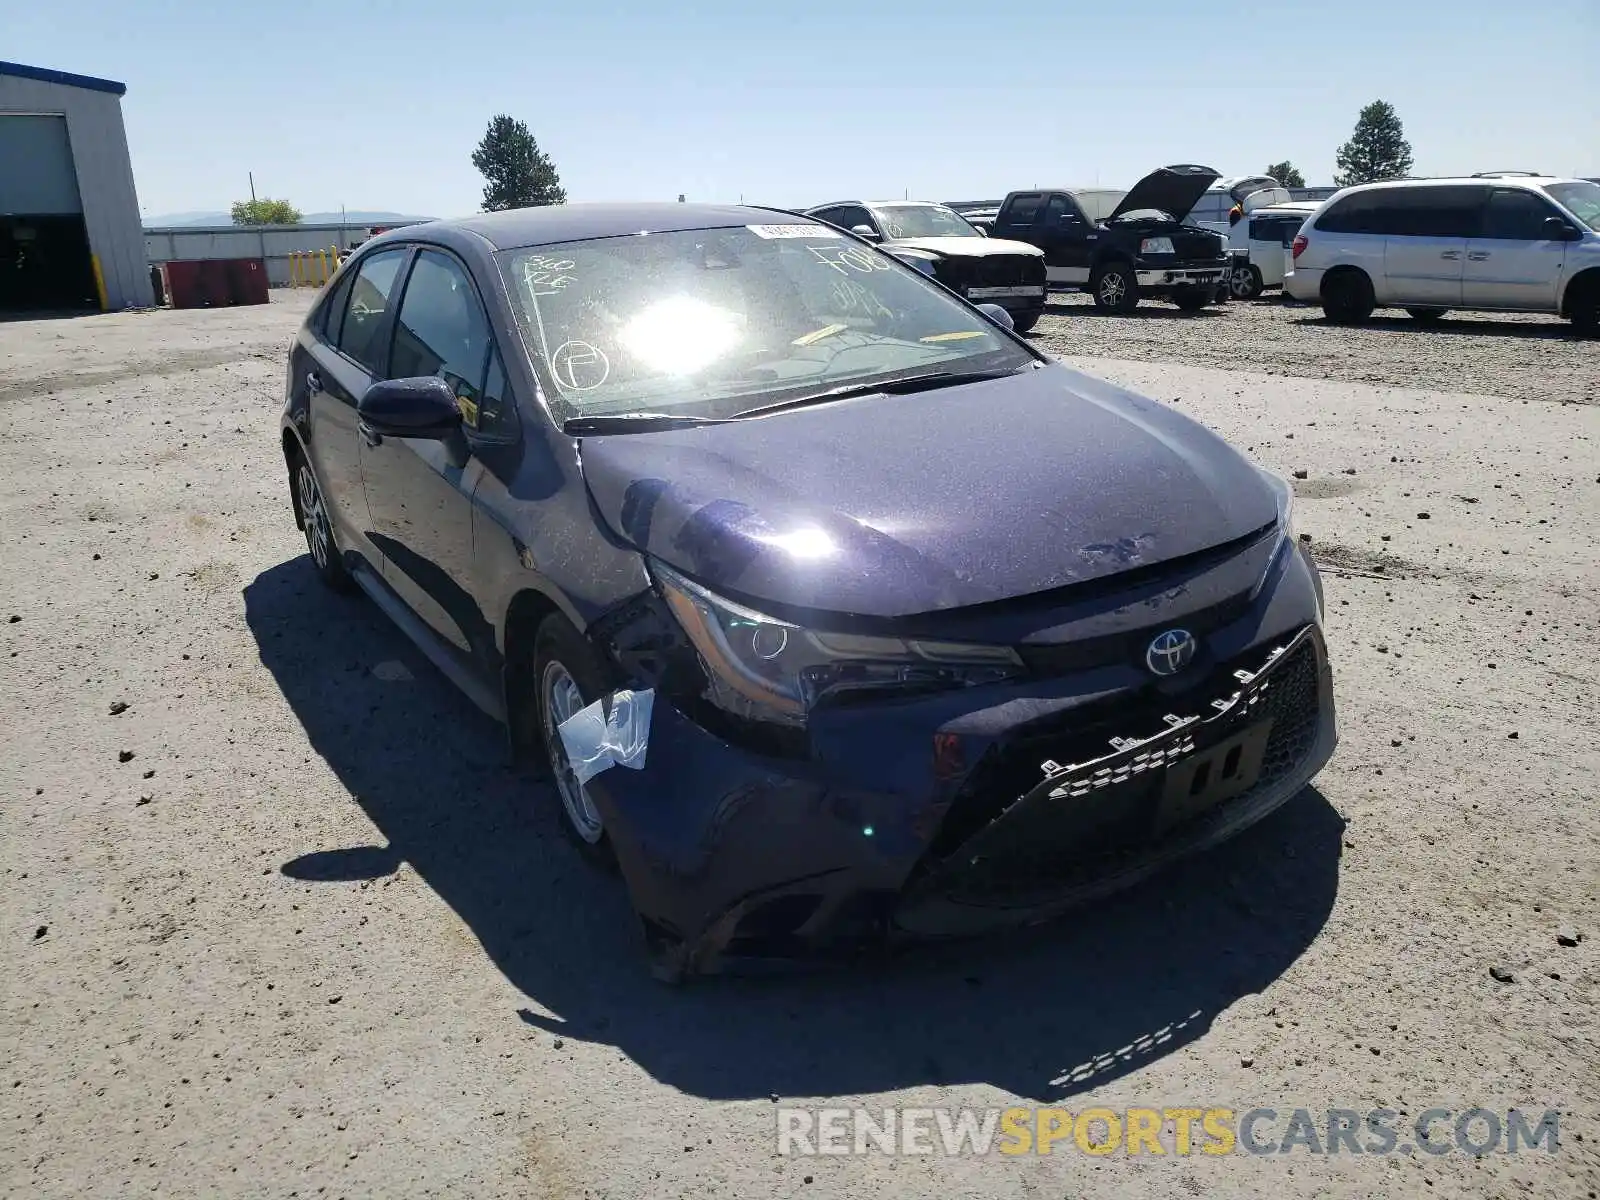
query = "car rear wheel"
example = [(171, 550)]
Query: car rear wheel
[(1023, 320), (1245, 283), (570, 676), (1115, 288), (1583, 309), (1426, 315), (318, 528), (1347, 297), (1192, 299)]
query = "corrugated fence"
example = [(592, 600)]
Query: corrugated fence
[(274, 244)]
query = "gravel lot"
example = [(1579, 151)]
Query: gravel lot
[(288, 926)]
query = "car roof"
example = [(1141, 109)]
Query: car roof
[(1501, 180), (882, 204), (1287, 207), (578, 222)]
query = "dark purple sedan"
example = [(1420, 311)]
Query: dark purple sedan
[(841, 616)]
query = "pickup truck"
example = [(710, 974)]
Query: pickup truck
[(1142, 249)]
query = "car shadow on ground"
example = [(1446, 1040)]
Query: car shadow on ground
[(1149, 310), (1042, 1014), (1553, 329)]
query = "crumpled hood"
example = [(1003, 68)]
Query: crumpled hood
[(894, 505), (1174, 190), (965, 247)]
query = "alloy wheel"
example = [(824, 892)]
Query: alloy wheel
[(318, 537), (1112, 288), (562, 699)]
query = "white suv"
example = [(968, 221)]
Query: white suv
[(1516, 243)]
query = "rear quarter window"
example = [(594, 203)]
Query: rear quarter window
[(1021, 210)]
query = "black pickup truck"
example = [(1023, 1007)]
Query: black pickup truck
[(1141, 250)]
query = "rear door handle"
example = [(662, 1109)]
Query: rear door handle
[(372, 436), (1478, 256), (313, 382)]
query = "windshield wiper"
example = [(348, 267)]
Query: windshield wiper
[(633, 422), (904, 385)]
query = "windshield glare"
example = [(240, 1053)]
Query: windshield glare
[(712, 322), (1582, 200), (922, 220)]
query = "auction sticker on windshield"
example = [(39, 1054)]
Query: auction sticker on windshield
[(792, 231)]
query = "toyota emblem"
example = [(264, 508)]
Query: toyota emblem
[(1171, 652)]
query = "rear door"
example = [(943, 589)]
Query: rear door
[(1425, 247), (1514, 263), (331, 369), (419, 490)]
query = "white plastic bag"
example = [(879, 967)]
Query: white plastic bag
[(595, 739)]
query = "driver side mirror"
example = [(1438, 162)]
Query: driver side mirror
[(867, 232), (1558, 229), (424, 407)]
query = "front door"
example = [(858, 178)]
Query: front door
[(1515, 263), (419, 491)]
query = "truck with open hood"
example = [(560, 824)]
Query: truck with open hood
[(1144, 247)]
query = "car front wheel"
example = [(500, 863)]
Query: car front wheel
[(1115, 288), (1023, 320), (570, 676)]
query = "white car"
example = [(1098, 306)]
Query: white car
[(1266, 237), (1496, 242), (940, 242), (1249, 191)]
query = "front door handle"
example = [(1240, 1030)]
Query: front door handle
[(371, 435), (1452, 255), (1477, 256), (313, 382)]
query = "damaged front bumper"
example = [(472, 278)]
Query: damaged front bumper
[(955, 814)]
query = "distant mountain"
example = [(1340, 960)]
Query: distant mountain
[(354, 216)]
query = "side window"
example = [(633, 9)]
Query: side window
[(828, 216), (361, 319), (497, 412), (333, 310), (1516, 216), (855, 215), (442, 331), (1059, 214), (1023, 209)]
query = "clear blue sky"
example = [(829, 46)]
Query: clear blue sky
[(378, 105)]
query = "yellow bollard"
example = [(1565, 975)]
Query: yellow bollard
[(322, 267), (99, 282), (294, 281)]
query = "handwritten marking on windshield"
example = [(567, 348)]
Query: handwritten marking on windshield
[(544, 276), (852, 297), (579, 366), (852, 258)]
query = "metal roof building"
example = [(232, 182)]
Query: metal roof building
[(70, 234)]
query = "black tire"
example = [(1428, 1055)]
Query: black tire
[(312, 511), (1246, 284), (1192, 299), (1426, 316), (1115, 287), (1583, 307), (1347, 297), (560, 651), (1024, 320)]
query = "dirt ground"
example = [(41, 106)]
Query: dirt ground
[(288, 925)]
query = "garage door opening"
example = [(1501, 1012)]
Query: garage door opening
[(45, 264), (44, 245)]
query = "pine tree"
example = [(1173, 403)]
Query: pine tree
[(1286, 173), (519, 174), (1376, 150)]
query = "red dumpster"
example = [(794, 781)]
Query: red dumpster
[(247, 280), (214, 283), (183, 284)]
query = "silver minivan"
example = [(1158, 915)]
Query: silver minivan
[(1498, 242)]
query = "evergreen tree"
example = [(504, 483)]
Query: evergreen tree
[(1377, 150), (519, 174)]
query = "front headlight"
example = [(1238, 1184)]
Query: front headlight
[(770, 670), (1156, 246), (1283, 490)]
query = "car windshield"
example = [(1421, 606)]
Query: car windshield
[(716, 322), (1582, 200), (922, 220)]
